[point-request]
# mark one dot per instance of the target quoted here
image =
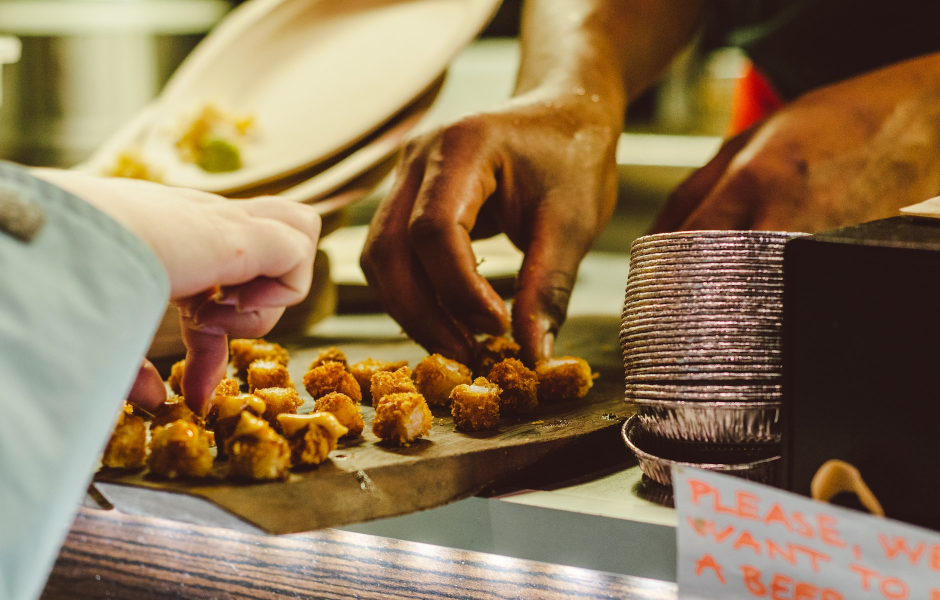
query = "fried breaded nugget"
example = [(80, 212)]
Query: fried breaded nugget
[(256, 451), (264, 373), (226, 387), (277, 401), (519, 384), (344, 409), (180, 449), (563, 378), (247, 351), (175, 380), (491, 350), (331, 377), (475, 406), (364, 370), (436, 376), (312, 437), (394, 382), (175, 409), (402, 418), (127, 448), (229, 412), (331, 354)]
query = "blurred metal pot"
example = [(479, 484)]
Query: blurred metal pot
[(87, 66)]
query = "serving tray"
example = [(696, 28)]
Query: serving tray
[(366, 480)]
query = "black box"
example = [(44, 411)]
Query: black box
[(861, 369)]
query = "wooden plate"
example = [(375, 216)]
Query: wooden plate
[(366, 480)]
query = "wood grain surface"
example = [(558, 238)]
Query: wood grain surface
[(366, 479), (112, 555)]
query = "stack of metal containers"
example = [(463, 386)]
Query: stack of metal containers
[(701, 338)]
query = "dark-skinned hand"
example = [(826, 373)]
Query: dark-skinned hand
[(848, 153), (543, 171)]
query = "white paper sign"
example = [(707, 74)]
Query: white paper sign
[(739, 539)]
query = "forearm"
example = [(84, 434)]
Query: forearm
[(608, 51), (79, 302)]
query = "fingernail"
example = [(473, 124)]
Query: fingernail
[(210, 329), (226, 298), (547, 347)]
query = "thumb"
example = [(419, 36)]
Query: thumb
[(546, 279)]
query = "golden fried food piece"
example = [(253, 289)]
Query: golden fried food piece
[(491, 350), (277, 401), (312, 437), (127, 448), (226, 387), (229, 411), (264, 373), (344, 409), (180, 449), (364, 370), (563, 378), (475, 406), (256, 451), (247, 351), (331, 377), (394, 382), (519, 384), (175, 380), (402, 418), (331, 354), (436, 376), (175, 409)]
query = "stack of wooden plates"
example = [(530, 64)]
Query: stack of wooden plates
[(320, 94), (701, 335)]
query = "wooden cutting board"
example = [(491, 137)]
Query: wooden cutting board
[(366, 480)]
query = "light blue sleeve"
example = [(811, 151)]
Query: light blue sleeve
[(79, 304)]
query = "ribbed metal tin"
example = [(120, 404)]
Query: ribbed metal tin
[(714, 422), (747, 464)]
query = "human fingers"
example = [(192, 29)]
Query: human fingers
[(733, 202), (220, 319), (546, 280), (206, 361), (690, 194), (397, 276), (238, 248), (148, 391), (445, 211)]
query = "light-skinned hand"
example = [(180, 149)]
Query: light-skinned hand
[(233, 266)]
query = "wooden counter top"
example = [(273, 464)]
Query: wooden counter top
[(109, 554)]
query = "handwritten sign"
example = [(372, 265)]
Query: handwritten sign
[(739, 539)]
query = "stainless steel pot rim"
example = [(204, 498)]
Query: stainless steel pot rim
[(633, 422), (729, 272), (631, 331), (707, 367), (647, 364), (655, 259), (671, 315), (693, 288), (652, 388), (710, 406), (755, 286), (667, 357), (735, 335), (743, 234), (630, 341), (705, 302), (708, 376)]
